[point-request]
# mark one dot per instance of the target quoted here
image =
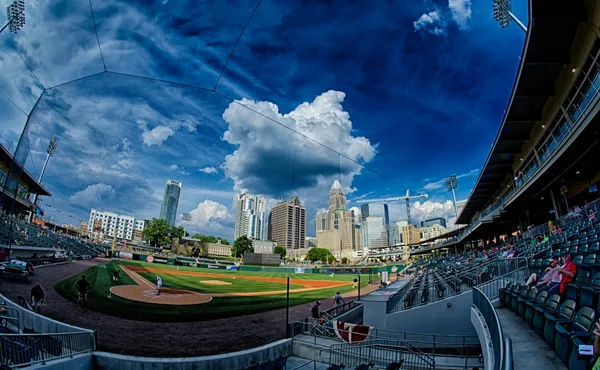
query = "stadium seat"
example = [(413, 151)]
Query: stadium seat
[(589, 261), (578, 260), (514, 298), (581, 325), (540, 300), (577, 362), (588, 294), (513, 292), (582, 279), (521, 305), (565, 313), (502, 293), (550, 306)]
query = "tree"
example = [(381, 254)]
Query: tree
[(280, 251), (157, 232), (177, 232), (345, 260), (209, 239), (318, 254), (242, 245)]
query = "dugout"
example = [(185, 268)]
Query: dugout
[(262, 259)]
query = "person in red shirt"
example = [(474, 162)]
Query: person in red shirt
[(567, 272)]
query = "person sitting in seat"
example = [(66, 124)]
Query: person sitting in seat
[(550, 274), (567, 273)]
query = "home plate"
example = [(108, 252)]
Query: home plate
[(215, 282)]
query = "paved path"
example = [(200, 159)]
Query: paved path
[(157, 339), (529, 350)]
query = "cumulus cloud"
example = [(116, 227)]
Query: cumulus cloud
[(271, 160), (178, 169), (157, 135), (208, 217), (208, 170), (461, 12), (430, 22), (421, 211), (94, 194), (435, 185)]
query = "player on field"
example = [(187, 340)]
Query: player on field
[(158, 284), (37, 298), (337, 301), (83, 286), (115, 278)]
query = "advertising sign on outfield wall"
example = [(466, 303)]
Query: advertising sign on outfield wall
[(299, 270), (126, 255), (149, 259), (234, 268)]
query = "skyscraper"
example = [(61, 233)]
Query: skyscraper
[(249, 217), (287, 224), (168, 209), (375, 225), (337, 229)]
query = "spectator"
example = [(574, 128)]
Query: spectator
[(314, 311), (550, 274), (567, 273), (592, 215), (337, 301), (83, 286), (37, 298), (597, 346)]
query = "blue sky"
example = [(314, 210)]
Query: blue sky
[(412, 90)]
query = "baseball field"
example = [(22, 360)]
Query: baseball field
[(196, 294)]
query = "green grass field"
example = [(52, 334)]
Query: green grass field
[(100, 277)]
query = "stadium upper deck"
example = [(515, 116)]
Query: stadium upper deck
[(542, 161)]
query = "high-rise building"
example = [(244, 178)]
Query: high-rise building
[(249, 217), (322, 221), (168, 209), (395, 234), (287, 224), (337, 229), (432, 231), (111, 224), (434, 221), (410, 234), (374, 226), (83, 228)]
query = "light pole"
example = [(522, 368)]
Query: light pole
[(451, 183), (15, 15), (503, 14), (50, 150)]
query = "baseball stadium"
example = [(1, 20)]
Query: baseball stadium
[(182, 188)]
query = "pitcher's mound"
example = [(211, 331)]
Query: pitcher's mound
[(167, 296), (215, 282)]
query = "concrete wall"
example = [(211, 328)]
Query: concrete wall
[(232, 360), (41, 324), (77, 362), (484, 337), (434, 318)]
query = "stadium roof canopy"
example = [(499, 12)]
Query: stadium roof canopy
[(552, 29), (34, 186)]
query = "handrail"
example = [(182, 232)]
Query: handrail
[(487, 310), (380, 352), (20, 350), (509, 362)]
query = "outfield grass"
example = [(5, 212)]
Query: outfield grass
[(100, 278)]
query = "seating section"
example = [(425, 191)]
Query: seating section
[(32, 235), (566, 322)]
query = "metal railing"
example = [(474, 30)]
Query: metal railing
[(20, 350), (440, 285), (487, 310), (380, 353), (435, 345), (509, 363)]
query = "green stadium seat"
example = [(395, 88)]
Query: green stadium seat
[(551, 305), (565, 313), (581, 325)]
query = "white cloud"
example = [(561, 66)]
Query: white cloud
[(273, 161), (421, 211), (461, 12), (208, 217), (178, 169), (93, 194), (434, 185), (208, 170), (157, 135), (431, 22)]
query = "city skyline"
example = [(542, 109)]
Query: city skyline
[(121, 136), (168, 208)]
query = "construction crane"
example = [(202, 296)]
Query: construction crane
[(405, 198)]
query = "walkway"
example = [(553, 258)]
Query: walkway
[(529, 350)]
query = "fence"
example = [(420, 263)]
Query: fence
[(381, 353), (437, 286), (462, 347), (20, 350), (484, 305)]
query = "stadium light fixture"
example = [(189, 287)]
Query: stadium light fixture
[(15, 16), (504, 15), (451, 183)]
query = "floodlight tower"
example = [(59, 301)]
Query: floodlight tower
[(50, 150), (451, 183), (504, 15), (15, 16)]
